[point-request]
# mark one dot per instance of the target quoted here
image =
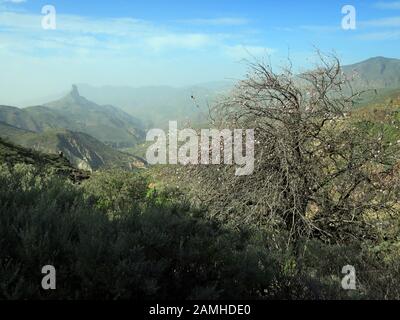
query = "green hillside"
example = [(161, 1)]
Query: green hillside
[(9, 131), (18, 118), (378, 97)]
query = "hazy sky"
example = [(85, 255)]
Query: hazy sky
[(176, 43)]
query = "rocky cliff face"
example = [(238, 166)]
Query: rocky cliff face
[(82, 150), (11, 154), (87, 153)]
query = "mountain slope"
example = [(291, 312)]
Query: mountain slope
[(11, 154), (376, 73), (8, 131), (106, 123), (82, 150), (18, 118)]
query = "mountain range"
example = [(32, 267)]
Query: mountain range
[(86, 133), (106, 123), (88, 129), (157, 105)]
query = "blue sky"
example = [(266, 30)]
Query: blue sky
[(137, 43)]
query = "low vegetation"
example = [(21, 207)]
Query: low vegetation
[(324, 194)]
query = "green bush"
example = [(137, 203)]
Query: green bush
[(161, 248), (116, 191), (150, 252)]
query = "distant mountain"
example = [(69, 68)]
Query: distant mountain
[(375, 73), (157, 105), (82, 150), (11, 154), (19, 118), (9, 131), (74, 112)]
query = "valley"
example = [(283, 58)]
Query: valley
[(88, 134)]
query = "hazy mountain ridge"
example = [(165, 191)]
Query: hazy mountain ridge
[(375, 73), (106, 123), (81, 128), (156, 105), (74, 125)]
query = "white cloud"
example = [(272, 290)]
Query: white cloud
[(69, 23), (285, 29), (388, 5), (320, 28), (103, 34), (217, 22), (384, 22), (183, 41), (12, 1), (119, 51), (388, 27), (380, 36), (239, 52)]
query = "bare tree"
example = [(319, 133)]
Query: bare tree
[(317, 171)]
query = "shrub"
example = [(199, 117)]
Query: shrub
[(150, 252)]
